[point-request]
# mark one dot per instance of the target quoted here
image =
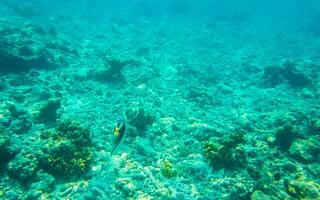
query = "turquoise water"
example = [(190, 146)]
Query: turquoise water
[(147, 99)]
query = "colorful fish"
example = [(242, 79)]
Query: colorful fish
[(118, 133)]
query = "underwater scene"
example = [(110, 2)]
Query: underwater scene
[(159, 99)]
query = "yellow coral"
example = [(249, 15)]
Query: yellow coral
[(167, 169)]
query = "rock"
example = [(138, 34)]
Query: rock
[(48, 113)]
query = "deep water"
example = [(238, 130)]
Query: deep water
[(159, 99)]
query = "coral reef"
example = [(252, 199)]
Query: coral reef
[(139, 118), (15, 118), (43, 184), (68, 153), (227, 153), (302, 188), (306, 150), (22, 49), (18, 119), (285, 135), (167, 169), (23, 167), (207, 115)]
